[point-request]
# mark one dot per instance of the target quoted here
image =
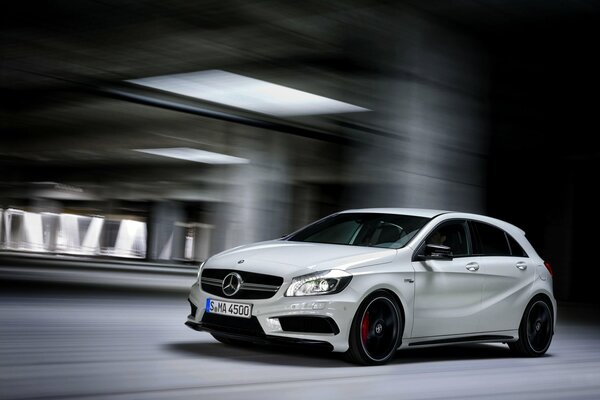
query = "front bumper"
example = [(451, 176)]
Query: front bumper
[(260, 339), (339, 307)]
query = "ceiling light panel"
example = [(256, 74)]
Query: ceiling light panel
[(195, 155), (247, 93)]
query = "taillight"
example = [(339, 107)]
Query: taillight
[(549, 268)]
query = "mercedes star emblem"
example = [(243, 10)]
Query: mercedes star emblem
[(231, 284)]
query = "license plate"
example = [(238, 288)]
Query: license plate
[(228, 308)]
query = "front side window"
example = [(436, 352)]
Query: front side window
[(362, 229), (452, 234)]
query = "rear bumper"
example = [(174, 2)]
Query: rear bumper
[(259, 338)]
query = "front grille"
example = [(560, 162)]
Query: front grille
[(309, 324), (233, 325), (255, 286)]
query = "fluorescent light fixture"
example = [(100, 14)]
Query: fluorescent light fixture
[(195, 155), (248, 93)]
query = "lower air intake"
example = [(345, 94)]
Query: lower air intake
[(307, 324)]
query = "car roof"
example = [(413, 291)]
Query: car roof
[(431, 213), (417, 212)]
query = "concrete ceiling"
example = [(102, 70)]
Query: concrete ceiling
[(57, 58)]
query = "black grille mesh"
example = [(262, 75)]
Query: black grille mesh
[(234, 325), (309, 324)]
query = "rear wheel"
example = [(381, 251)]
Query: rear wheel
[(536, 330), (376, 330)]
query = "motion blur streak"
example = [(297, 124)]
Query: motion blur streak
[(98, 344), (71, 234)]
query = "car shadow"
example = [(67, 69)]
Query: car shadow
[(456, 352), (272, 355), (299, 356)]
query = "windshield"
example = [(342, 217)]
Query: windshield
[(362, 229)]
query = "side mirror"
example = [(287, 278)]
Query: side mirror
[(437, 252)]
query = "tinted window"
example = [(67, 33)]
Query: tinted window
[(515, 248), (362, 229), (341, 233), (492, 240), (452, 234)]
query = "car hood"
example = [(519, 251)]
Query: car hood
[(280, 257)]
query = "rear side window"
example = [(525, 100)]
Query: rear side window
[(515, 248), (492, 241)]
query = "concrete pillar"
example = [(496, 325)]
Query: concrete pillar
[(257, 199), (432, 109), (161, 227)]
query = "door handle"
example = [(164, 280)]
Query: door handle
[(521, 265), (472, 266)]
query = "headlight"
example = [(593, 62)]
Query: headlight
[(200, 270), (323, 282)]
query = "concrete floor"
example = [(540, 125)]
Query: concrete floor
[(102, 343)]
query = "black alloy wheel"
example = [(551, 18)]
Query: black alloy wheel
[(536, 330), (376, 330)]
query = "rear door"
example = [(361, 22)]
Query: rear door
[(508, 274)]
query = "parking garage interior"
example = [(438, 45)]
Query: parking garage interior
[(113, 189)]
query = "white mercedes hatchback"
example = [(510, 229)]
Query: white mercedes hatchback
[(368, 282)]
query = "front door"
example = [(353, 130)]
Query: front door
[(448, 292)]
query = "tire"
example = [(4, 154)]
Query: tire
[(376, 330), (229, 341), (535, 331)]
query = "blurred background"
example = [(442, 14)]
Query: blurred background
[(482, 106), (156, 133)]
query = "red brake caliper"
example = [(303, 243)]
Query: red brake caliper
[(364, 328)]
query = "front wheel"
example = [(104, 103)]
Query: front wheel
[(376, 330), (535, 331)]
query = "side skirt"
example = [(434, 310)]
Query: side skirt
[(466, 339)]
